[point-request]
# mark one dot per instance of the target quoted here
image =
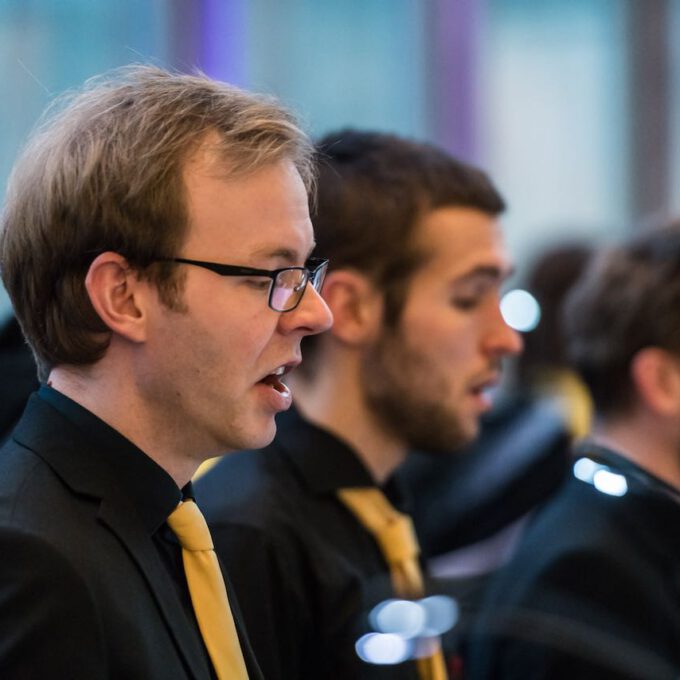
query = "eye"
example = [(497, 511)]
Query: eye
[(469, 294), (258, 283), (465, 302)]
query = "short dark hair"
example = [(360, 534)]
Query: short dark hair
[(372, 189), (105, 173), (628, 299), (551, 276)]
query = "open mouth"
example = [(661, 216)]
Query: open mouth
[(274, 380), (485, 389)]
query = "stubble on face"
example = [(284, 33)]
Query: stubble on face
[(408, 396)]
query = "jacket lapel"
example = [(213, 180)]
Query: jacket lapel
[(61, 445), (160, 584)]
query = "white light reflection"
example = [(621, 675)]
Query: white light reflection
[(407, 629), (610, 483), (520, 310), (601, 477), (402, 617), (585, 469), (441, 614), (383, 648)]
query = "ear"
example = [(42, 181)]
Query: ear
[(356, 304), (115, 292), (656, 376)]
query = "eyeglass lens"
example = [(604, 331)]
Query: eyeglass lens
[(288, 289)]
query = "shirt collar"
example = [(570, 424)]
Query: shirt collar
[(149, 487), (625, 466), (326, 463)]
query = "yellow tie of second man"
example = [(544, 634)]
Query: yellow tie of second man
[(394, 534), (208, 592)]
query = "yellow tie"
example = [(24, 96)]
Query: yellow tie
[(394, 534), (208, 592)]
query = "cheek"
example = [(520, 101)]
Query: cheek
[(249, 336), (224, 339), (446, 340)]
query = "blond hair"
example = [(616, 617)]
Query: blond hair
[(104, 172)]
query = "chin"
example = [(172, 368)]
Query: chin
[(471, 433), (249, 436), (466, 435), (258, 438)]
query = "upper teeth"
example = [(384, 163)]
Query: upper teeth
[(280, 370)]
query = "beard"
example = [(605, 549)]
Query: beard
[(408, 395)]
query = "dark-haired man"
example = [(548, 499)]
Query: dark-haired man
[(154, 244), (593, 590), (417, 342)]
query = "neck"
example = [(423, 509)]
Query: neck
[(652, 445), (333, 399), (127, 413)]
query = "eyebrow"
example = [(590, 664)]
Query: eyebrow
[(288, 255), (490, 272)]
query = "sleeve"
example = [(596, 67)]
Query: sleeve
[(582, 615), (48, 623)]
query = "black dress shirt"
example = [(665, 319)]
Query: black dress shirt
[(305, 571)]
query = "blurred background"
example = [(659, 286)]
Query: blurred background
[(571, 105)]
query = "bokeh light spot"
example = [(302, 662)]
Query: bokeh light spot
[(383, 648), (610, 483), (585, 469), (402, 617), (520, 310), (441, 614)]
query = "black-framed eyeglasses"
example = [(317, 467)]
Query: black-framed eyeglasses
[(287, 285)]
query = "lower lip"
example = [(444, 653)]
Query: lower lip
[(482, 401), (277, 401)]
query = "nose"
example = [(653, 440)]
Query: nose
[(502, 340), (310, 317)]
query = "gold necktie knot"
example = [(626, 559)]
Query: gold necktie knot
[(392, 530), (190, 527)]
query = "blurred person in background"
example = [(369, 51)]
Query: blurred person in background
[(544, 369), (469, 509), (140, 224), (417, 343), (592, 590)]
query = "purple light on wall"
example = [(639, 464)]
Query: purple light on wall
[(223, 42), (454, 74)]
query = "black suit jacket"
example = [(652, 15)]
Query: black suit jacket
[(18, 375), (311, 571), (84, 593), (593, 591)]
